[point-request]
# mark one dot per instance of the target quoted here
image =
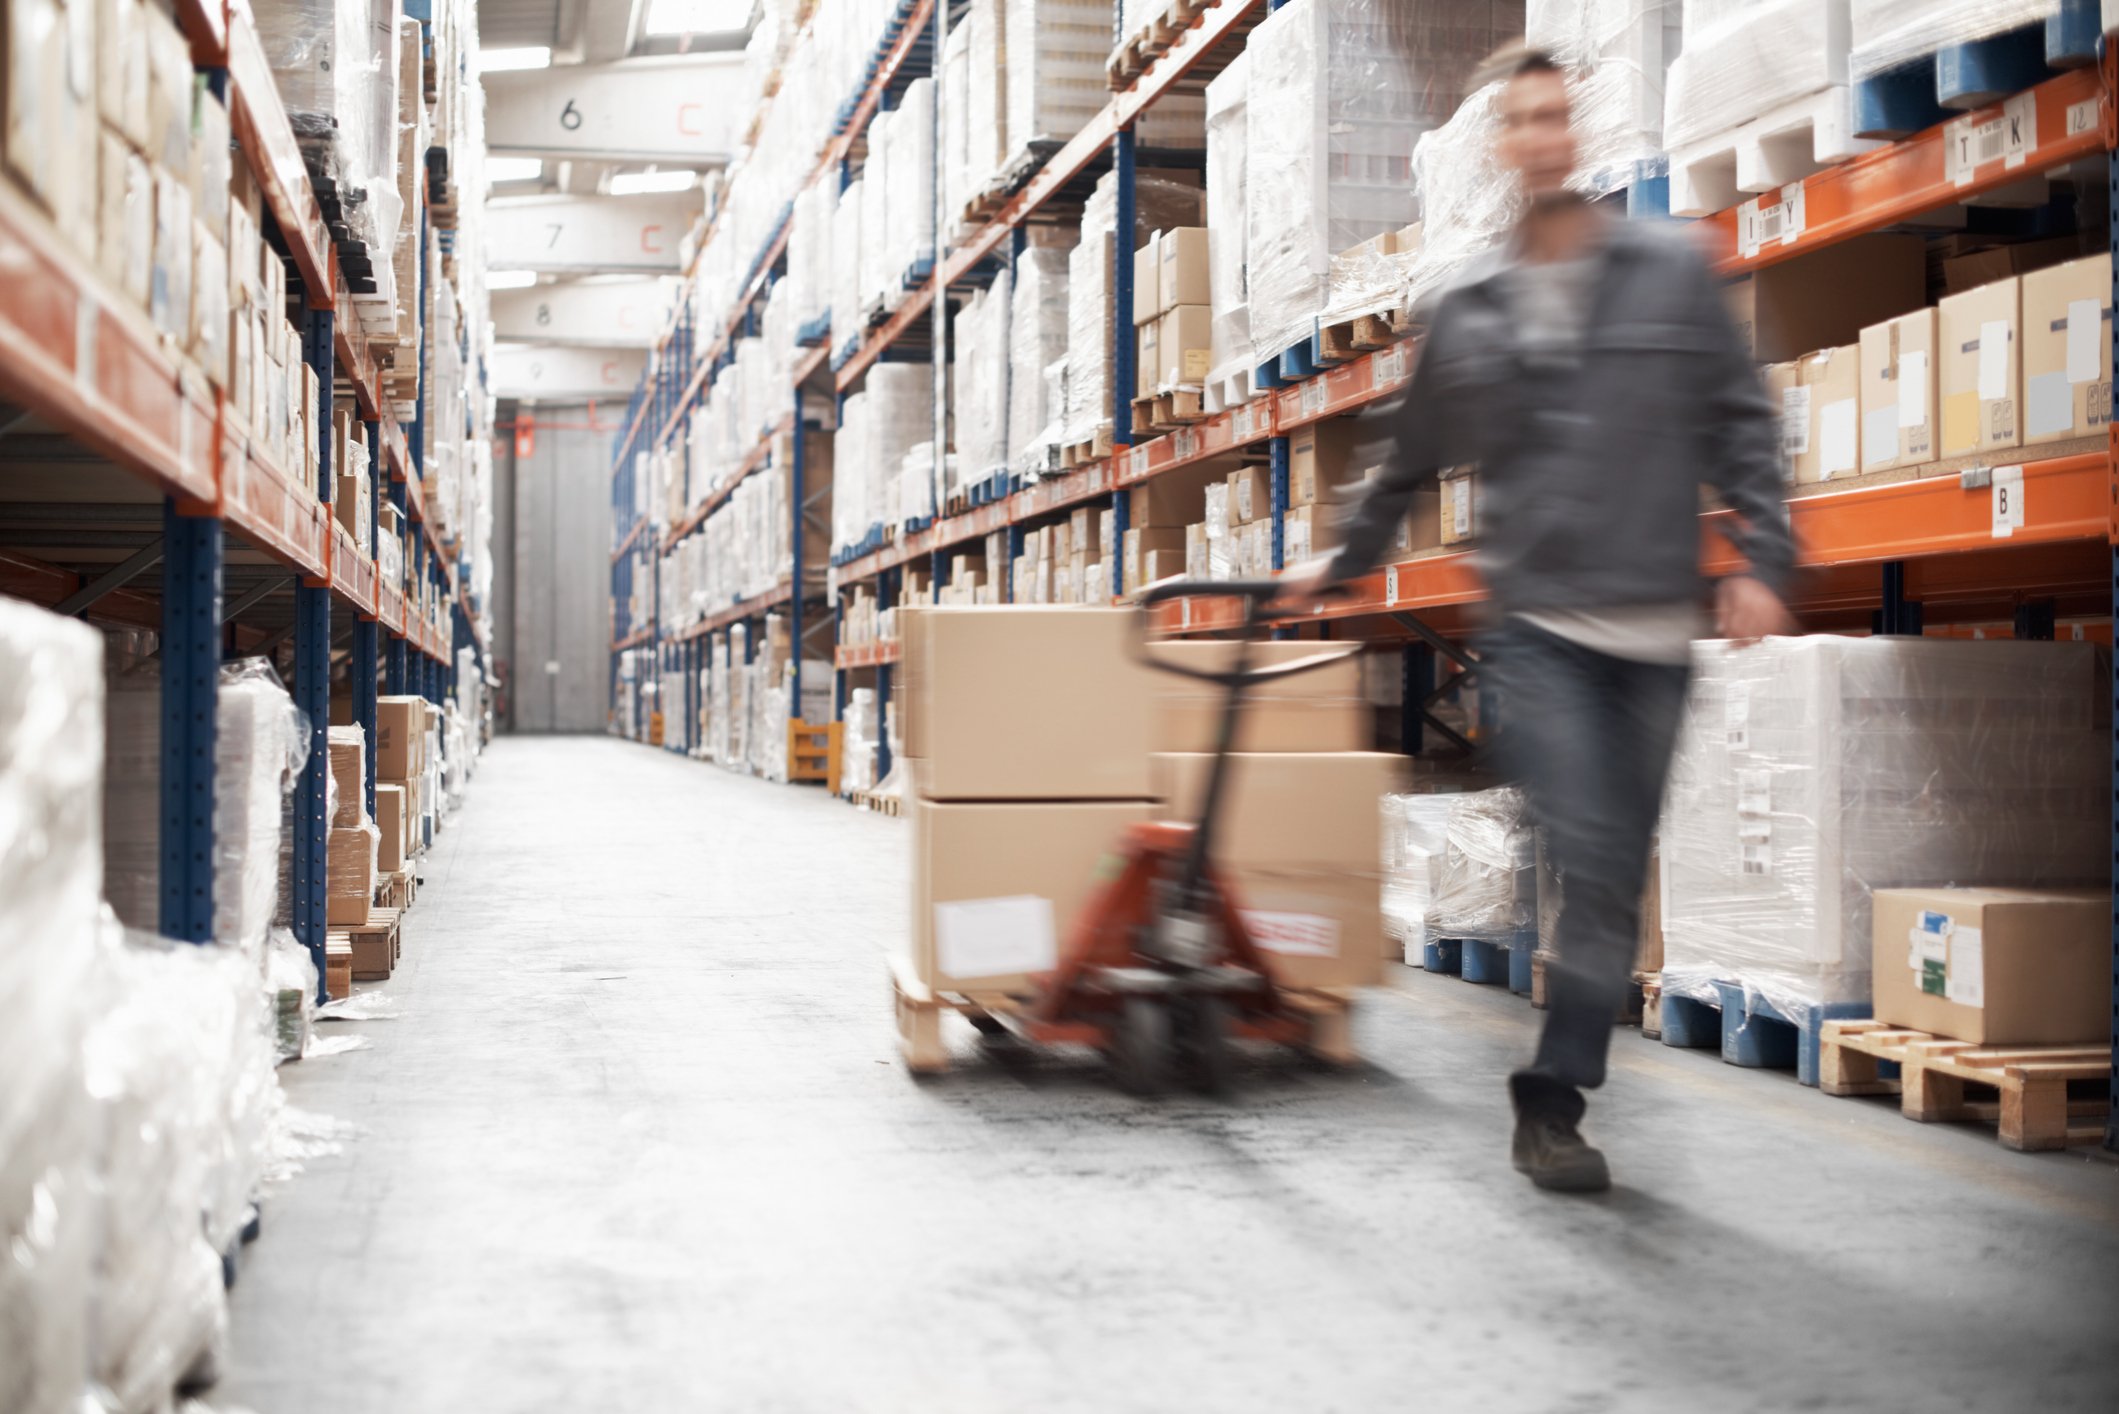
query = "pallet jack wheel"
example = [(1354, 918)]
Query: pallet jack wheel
[(1212, 1060), (1140, 1050)]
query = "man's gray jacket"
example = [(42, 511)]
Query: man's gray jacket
[(1590, 467)]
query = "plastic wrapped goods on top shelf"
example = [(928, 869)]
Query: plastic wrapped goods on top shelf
[(982, 386), (1228, 129), (1743, 58), (1814, 770), (51, 866), (1620, 52), (336, 63), (1340, 93), (1888, 33), (1159, 205), (1037, 339)]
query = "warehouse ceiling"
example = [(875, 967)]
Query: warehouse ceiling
[(672, 53)]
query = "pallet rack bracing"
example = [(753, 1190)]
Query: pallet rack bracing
[(154, 451), (1876, 547)]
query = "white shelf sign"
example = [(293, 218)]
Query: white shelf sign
[(2007, 491)]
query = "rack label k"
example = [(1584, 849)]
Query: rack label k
[(2007, 137)]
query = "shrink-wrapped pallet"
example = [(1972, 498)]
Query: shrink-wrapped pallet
[(982, 390), (1618, 54), (1887, 34), (1485, 883), (1744, 58), (1228, 135), (1814, 770), (1415, 837), (846, 287), (1158, 205), (1037, 339)]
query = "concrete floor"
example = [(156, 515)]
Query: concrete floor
[(640, 1141)]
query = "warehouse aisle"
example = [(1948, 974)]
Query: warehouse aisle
[(639, 1140)]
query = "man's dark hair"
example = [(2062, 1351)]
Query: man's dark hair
[(1513, 60)]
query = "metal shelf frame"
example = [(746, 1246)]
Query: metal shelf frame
[(93, 368)]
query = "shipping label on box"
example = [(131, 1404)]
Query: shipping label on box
[(1993, 966), (1830, 386), (2067, 351), (1460, 508)]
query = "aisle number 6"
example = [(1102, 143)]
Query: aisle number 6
[(570, 117)]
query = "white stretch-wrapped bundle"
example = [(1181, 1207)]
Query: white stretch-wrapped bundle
[(1415, 835), (809, 255), (857, 754), (1468, 203), (900, 416), (1619, 52), (909, 193), (846, 320), (1889, 33), (1037, 339), (1486, 885), (877, 252), (982, 99), (1340, 93), (335, 63), (851, 517), (1813, 770), (51, 877), (1228, 132), (982, 389), (1055, 54), (1745, 58)]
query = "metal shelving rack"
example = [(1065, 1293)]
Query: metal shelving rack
[(156, 457), (1876, 546)]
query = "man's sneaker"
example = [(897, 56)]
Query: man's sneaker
[(1551, 1150)]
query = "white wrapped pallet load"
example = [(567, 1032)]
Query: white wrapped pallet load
[(982, 390), (910, 187), (878, 248), (1158, 205), (1889, 33), (51, 878), (857, 753), (1055, 51), (957, 189), (846, 321), (809, 255), (1618, 53), (984, 99), (1415, 838), (1814, 770), (1228, 129), (1037, 340), (1485, 884), (1340, 92)]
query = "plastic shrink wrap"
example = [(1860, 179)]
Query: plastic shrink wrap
[(1813, 770), (1744, 58), (1485, 886), (809, 255), (51, 800), (982, 394), (857, 771), (1619, 53), (1054, 75), (878, 251), (1890, 33), (1228, 130), (1415, 834), (846, 290), (910, 186), (336, 65), (1037, 339)]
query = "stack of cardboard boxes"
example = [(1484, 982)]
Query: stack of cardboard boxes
[(352, 858), (401, 791), (1009, 842), (1173, 313), (1871, 378), (1062, 563)]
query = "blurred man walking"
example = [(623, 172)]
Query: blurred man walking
[(1589, 368)]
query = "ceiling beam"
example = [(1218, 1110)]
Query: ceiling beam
[(621, 314), (679, 111), (591, 234), (548, 373)]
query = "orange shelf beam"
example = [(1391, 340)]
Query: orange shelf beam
[(755, 461), (865, 655)]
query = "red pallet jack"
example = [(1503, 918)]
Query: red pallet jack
[(1161, 972)]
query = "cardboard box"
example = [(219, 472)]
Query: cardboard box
[(998, 887), (1147, 271), (1185, 346), (349, 752), (1983, 267), (1026, 703), (1250, 494), (1159, 565), (1299, 840), (1823, 299), (1898, 404), (2067, 350), (349, 863), (1825, 405), (1459, 517), (1323, 709), (1157, 539), (390, 819), (1979, 373), (1174, 498), (372, 955), (1147, 362), (1784, 388), (1307, 532), (1326, 456), (399, 724), (1183, 280), (2015, 967)]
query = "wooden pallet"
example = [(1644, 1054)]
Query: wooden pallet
[(1097, 448), (2032, 1105), (397, 890), (1349, 339), (375, 945), (880, 804), (338, 966), (1152, 40), (1166, 411), (919, 1012), (813, 752)]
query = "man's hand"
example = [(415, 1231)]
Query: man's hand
[(1745, 610), (1301, 585)]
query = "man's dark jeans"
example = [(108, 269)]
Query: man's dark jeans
[(1590, 737)]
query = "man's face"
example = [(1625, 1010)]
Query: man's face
[(1537, 140)]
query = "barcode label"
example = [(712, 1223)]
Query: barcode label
[(1185, 444), (1388, 367), (1760, 222), (1186, 605), (1313, 398), (2007, 138), (1758, 859), (1390, 584), (1244, 426), (1139, 462)]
